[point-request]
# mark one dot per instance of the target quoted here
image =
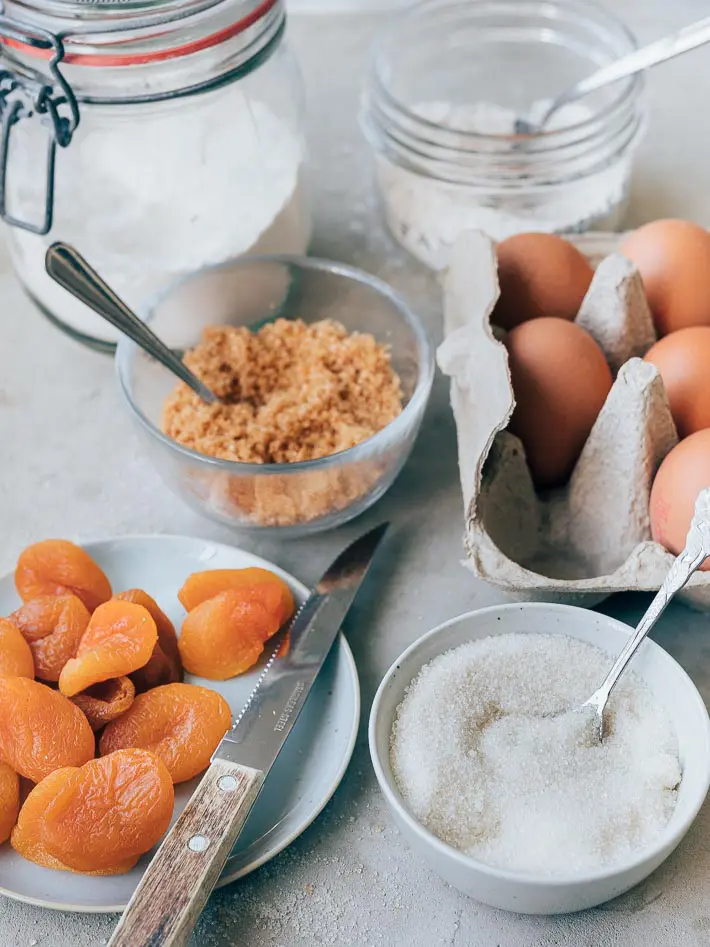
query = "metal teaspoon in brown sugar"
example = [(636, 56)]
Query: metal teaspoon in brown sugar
[(69, 269), (179, 879)]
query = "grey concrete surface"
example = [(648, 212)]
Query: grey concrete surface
[(71, 466)]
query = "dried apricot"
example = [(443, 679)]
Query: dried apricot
[(258, 585), (53, 626), (9, 800), (15, 655), (181, 723), (225, 635), (159, 670), (40, 730), (119, 639), (98, 818), (106, 701), (55, 567), (164, 666)]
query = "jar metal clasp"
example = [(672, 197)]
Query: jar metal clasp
[(24, 96)]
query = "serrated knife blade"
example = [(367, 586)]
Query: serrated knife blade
[(264, 723)]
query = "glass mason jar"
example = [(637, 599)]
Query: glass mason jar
[(446, 82), (155, 136)]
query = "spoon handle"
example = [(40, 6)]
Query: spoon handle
[(696, 34), (68, 268), (697, 549)]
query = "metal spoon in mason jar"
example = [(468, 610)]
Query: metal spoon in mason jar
[(659, 51), (68, 268), (696, 551)]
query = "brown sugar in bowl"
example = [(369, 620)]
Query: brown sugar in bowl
[(304, 496), (291, 391)]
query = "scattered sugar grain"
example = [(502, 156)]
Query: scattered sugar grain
[(480, 767)]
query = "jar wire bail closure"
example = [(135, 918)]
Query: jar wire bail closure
[(21, 97)]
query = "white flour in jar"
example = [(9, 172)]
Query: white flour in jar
[(480, 767), (427, 215), (209, 178)]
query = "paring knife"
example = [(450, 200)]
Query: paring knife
[(177, 883)]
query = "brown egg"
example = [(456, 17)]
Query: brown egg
[(560, 381), (673, 258), (540, 274), (683, 359), (680, 478)]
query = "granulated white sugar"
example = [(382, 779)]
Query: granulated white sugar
[(479, 765)]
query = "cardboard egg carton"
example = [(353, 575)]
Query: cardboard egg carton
[(583, 542)]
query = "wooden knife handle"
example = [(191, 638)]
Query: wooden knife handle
[(178, 881)]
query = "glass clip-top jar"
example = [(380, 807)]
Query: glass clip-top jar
[(156, 136), (448, 79)]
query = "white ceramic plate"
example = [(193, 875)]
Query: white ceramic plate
[(304, 777)]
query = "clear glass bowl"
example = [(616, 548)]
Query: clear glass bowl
[(447, 79), (288, 499)]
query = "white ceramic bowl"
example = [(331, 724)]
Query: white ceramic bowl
[(519, 891)]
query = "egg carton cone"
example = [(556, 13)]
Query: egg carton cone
[(592, 538)]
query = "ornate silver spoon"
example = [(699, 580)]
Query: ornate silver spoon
[(697, 549)]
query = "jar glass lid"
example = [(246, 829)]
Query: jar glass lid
[(82, 12), (131, 32)]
